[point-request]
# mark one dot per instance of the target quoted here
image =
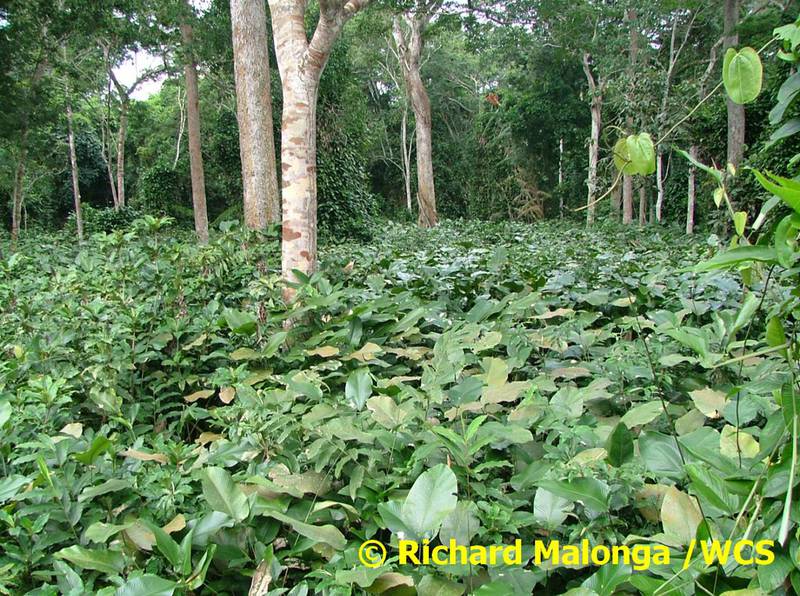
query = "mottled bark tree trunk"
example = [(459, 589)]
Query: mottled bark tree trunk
[(406, 158), (195, 149), (594, 140), (694, 151), (736, 114), (122, 133), (73, 162), (659, 184), (254, 111), (409, 48), (301, 63), (627, 181)]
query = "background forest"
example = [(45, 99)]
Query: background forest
[(281, 279), (509, 96)]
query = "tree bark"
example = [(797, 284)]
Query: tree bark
[(73, 162), (121, 135), (19, 180), (195, 150), (627, 181), (659, 184), (254, 111), (694, 151), (594, 141), (736, 114), (406, 163), (409, 48), (642, 204), (300, 63)]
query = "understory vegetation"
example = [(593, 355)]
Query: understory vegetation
[(165, 431)]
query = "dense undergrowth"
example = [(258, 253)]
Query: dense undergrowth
[(164, 431)]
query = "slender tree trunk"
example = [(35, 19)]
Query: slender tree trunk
[(301, 63), (736, 114), (643, 210), (659, 184), (406, 150), (195, 150), (616, 201), (560, 176), (627, 181), (19, 181), (121, 136), (409, 46), (181, 127), (594, 140), (694, 151), (254, 110), (73, 162)]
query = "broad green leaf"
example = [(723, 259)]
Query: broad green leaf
[(642, 414), (326, 534), (147, 585), (431, 499), (431, 585), (642, 153), (741, 254), (619, 445), (243, 323), (223, 495), (740, 221), (109, 486), (461, 524), (711, 488), (593, 493), (386, 412), (607, 578), (742, 75), (10, 486), (358, 388), (783, 188), (110, 562), (549, 508), (731, 443), (660, 455), (5, 412)]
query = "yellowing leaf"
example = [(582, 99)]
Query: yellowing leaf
[(324, 351), (385, 411), (649, 500), (692, 420), (177, 524), (559, 312), (709, 401), (680, 515), (368, 352), (207, 438), (746, 443), (244, 354), (204, 394), (570, 372), (588, 456), (143, 456), (226, 394), (73, 429)]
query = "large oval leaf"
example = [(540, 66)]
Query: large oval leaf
[(430, 501), (742, 75), (222, 494)]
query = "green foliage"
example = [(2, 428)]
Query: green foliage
[(170, 434)]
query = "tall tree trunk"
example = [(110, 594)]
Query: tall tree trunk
[(254, 110), (616, 201), (659, 184), (694, 151), (195, 150), (121, 135), (73, 162), (736, 114), (301, 63), (595, 91), (643, 204), (19, 181), (409, 48), (406, 150), (627, 181), (560, 176)]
